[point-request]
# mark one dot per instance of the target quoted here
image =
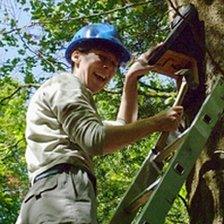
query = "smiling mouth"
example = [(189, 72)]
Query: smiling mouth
[(100, 77)]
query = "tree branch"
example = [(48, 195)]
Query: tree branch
[(157, 94), (18, 29), (29, 85), (146, 94), (184, 202), (39, 54), (11, 149), (131, 5), (152, 88)]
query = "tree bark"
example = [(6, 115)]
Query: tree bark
[(205, 184)]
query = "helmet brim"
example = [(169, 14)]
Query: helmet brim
[(115, 48)]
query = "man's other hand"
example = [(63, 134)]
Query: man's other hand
[(170, 119)]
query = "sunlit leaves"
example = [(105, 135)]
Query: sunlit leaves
[(13, 178)]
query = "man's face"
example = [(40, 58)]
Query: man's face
[(95, 68)]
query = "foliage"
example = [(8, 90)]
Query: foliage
[(13, 176), (33, 49)]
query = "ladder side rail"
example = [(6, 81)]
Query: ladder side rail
[(155, 210)]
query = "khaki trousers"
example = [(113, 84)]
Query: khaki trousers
[(68, 197)]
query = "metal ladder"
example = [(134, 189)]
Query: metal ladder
[(153, 191)]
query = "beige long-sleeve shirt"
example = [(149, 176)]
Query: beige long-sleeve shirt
[(63, 126)]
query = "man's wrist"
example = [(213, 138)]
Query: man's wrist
[(122, 120), (129, 77)]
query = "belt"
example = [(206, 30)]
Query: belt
[(64, 167)]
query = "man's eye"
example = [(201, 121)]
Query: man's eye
[(105, 59), (102, 58)]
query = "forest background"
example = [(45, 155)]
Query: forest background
[(33, 38)]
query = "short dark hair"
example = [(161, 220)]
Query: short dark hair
[(86, 50)]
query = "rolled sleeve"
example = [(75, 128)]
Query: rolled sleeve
[(78, 117), (118, 122)]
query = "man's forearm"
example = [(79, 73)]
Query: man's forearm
[(119, 136), (129, 103), (128, 110)]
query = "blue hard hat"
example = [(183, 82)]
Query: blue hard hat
[(102, 36)]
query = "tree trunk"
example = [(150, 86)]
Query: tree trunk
[(205, 185)]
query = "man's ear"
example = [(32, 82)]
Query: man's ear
[(75, 57)]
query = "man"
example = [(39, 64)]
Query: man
[(64, 130)]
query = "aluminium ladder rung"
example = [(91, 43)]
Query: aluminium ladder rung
[(143, 197), (141, 181)]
